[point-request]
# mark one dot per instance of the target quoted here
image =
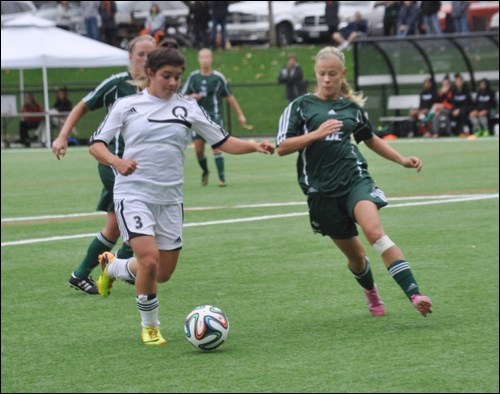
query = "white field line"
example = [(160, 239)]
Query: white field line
[(260, 138), (435, 200), (241, 206)]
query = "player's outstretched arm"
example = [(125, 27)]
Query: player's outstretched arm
[(237, 146), (383, 149)]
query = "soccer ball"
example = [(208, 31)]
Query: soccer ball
[(206, 327)]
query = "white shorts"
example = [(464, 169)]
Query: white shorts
[(164, 222)]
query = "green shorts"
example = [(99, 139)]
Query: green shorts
[(108, 181), (334, 216)]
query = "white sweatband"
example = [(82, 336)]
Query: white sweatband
[(383, 244)]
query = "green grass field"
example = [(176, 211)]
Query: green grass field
[(299, 322)]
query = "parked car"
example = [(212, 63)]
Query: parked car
[(479, 16), (15, 9), (248, 21), (313, 24)]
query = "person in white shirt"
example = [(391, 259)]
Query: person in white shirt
[(156, 125), (63, 15)]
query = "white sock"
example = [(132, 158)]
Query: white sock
[(119, 269), (148, 308)]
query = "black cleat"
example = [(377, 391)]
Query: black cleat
[(86, 285)]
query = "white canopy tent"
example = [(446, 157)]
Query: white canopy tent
[(30, 42)]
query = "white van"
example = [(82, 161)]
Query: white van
[(248, 21)]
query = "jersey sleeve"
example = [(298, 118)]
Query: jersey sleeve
[(291, 123), (106, 89), (224, 89), (110, 126), (204, 126)]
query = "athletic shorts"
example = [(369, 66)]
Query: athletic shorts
[(164, 222), (107, 176), (334, 216)]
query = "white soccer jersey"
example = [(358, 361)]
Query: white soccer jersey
[(156, 132)]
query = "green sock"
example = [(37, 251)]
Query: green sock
[(219, 162), (401, 273), (203, 164), (365, 279), (125, 252), (429, 116), (98, 246)]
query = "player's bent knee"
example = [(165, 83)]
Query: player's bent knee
[(163, 277)]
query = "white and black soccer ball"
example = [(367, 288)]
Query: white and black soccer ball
[(206, 327)]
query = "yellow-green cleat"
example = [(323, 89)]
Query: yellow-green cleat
[(151, 336), (105, 283)]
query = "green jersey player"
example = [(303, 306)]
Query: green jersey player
[(333, 174), (209, 87)]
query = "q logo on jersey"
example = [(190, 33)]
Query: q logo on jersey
[(180, 112)]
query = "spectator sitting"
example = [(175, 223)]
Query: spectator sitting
[(462, 104), (29, 122), (428, 96), (348, 34), (58, 114), (440, 111), (62, 104), (484, 105), (408, 19), (292, 75), (154, 24)]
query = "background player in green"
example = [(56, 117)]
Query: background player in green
[(333, 174), (104, 95), (208, 87)]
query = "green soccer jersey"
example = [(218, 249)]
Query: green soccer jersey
[(104, 95), (212, 88), (333, 165)]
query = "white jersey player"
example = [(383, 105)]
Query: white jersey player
[(156, 125)]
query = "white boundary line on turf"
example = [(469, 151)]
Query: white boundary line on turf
[(240, 206), (463, 198), (260, 138)]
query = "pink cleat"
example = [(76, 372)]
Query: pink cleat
[(422, 303), (375, 304)]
